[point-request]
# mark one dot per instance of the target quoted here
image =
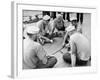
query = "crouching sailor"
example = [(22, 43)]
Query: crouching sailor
[(80, 50)]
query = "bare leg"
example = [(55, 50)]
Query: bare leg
[(67, 58), (46, 39)]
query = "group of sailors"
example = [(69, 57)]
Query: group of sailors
[(46, 30)]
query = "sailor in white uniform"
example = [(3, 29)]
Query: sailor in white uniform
[(34, 55), (80, 50), (43, 26)]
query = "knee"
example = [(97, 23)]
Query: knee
[(55, 60), (51, 61), (67, 58)]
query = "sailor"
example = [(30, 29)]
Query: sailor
[(34, 55), (80, 50), (58, 25), (44, 28), (70, 29)]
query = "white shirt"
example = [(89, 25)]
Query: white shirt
[(33, 52), (80, 45), (43, 26), (50, 26)]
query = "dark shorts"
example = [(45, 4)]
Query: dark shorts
[(80, 62), (61, 29), (48, 36), (67, 58), (50, 63), (53, 35)]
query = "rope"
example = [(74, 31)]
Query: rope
[(58, 51)]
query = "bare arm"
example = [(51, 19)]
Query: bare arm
[(41, 26), (54, 26), (73, 54), (65, 38), (64, 41), (73, 60)]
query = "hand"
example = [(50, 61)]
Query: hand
[(48, 57)]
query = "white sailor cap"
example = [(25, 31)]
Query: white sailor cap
[(32, 30), (70, 28), (46, 17), (73, 18)]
